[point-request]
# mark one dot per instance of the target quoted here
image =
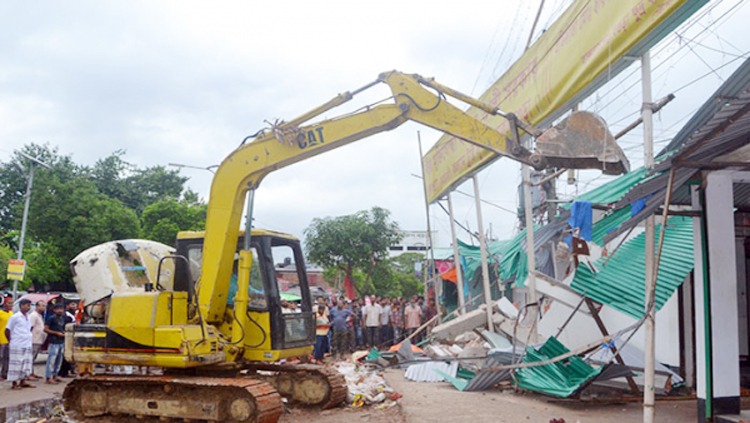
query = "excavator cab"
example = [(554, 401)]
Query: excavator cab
[(275, 329)]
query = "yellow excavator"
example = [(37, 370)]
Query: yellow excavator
[(210, 328)]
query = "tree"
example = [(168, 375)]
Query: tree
[(76, 207), (163, 219), (136, 188), (403, 266), (357, 241), (6, 253)]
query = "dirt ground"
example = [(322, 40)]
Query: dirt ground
[(421, 402), (432, 402)]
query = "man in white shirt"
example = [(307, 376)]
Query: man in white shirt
[(18, 333), (371, 315), (38, 336)]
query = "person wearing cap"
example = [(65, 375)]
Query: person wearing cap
[(54, 327), (5, 312), (18, 332)]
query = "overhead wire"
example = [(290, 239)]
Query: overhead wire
[(664, 46), (685, 49)]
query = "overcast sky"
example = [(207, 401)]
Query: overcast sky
[(185, 82)]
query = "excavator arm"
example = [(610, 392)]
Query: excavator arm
[(414, 98)]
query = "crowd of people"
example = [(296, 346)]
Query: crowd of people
[(343, 325), (23, 335)]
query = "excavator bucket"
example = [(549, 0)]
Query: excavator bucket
[(582, 141)]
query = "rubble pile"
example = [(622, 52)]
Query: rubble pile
[(366, 385)]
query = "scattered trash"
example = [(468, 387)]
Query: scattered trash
[(366, 387)]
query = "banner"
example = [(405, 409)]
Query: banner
[(583, 49), (16, 269)]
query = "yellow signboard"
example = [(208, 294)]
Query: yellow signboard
[(16, 269), (578, 53)]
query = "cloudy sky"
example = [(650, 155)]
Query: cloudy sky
[(185, 82)]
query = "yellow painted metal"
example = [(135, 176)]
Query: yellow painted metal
[(580, 49), (259, 338), (286, 144), (240, 328), (276, 355), (179, 308)]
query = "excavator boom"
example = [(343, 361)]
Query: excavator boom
[(414, 99)]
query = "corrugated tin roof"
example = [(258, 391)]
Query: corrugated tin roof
[(426, 372), (561, 379), (609, 222), (613, 190), (619, 282)]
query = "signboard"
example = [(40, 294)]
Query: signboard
[(16, 269), (584, 48)]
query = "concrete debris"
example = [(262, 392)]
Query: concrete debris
[(466, 337), (439, 352), (473, 350), (495, 340), (507, 308)]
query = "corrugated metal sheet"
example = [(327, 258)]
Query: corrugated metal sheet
[(608, 223), (485, 379), (620, 282), (561, 379), (426, 372), (613, 190)]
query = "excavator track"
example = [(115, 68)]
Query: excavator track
[(304, 384), (241, 400)]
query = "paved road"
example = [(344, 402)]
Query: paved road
[(41, 391)]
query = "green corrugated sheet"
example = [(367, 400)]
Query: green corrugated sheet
[(561, 379), (513, 261), (613, 190), (607, 223), (620, 283)]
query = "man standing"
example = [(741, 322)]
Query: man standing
[(54, 327), (397, 321), (385, 323), (430, 311), (5, 313), (18, 333), (38, 336), (340, 317), (66, 369), (412, 318), (371, 314)]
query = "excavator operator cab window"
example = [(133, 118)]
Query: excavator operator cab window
[(256, 292)]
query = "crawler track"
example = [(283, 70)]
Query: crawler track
[(305, 384), (244, 400)]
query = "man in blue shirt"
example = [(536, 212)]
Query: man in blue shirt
[(54, 327), (340, 317)]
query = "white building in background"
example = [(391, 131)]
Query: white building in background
[(413, 242)]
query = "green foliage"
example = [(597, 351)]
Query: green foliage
[(75, 207), (403, 266), (6, 253), (163, 219), (357, 244), (136, 188)]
